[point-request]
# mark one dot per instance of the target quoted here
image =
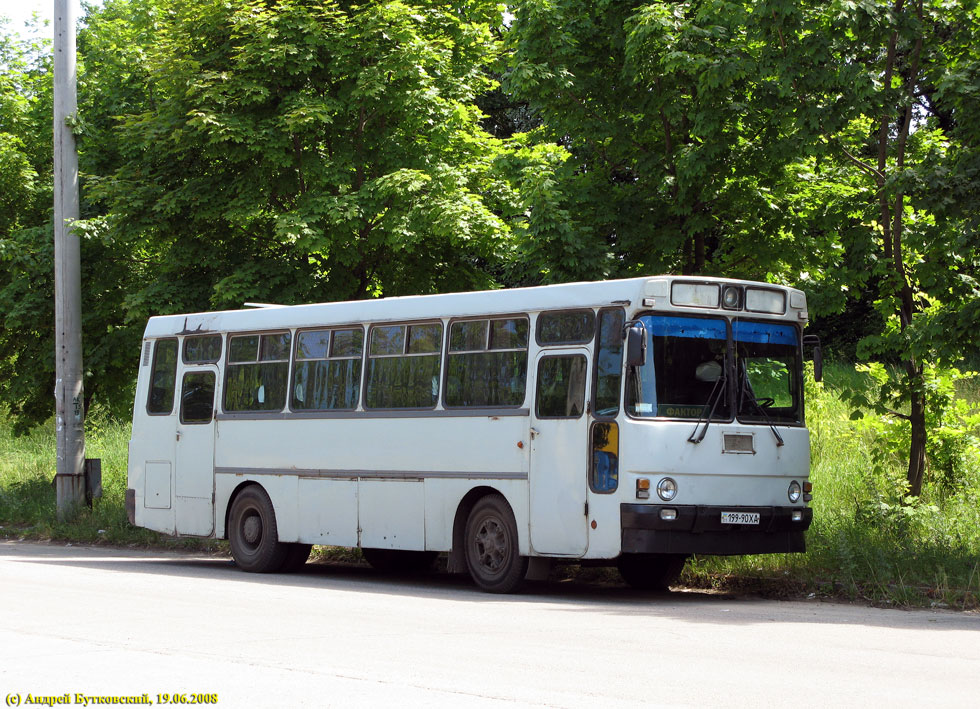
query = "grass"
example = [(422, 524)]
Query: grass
[(867, 541), (27, 493)]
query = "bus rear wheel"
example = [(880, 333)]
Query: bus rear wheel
[(492, 554), (252, 532), (651, 572)]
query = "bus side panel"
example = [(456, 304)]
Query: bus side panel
[(605, 539), (391, 514), (464, 446), (442, 500), (362, 478), (328, 512)]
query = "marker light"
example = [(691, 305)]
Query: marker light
[(732, 299), (667, 489), (642, 489), (794, 491), (668, 513), (797, 515)]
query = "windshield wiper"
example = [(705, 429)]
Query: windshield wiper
[(746, 385), (712, 403)]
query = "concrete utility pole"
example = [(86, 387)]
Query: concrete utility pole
[(69, 409)]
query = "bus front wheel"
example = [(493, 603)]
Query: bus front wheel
[(492, 554), (252, 532), (651, 572)]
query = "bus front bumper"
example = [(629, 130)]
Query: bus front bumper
[(698, 529)]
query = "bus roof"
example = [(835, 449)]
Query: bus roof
[(425, 307)]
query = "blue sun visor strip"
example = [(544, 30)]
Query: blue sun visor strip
[(765, 333), (698, 328)]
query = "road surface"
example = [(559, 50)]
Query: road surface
[(119, 623)]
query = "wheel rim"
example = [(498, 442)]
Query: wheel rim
[(492, 545), (251, 529)]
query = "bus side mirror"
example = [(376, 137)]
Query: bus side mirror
[(636, 344), (814, 341)]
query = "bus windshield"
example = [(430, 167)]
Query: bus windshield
[(687, 371), (767, 373), (684, 376)]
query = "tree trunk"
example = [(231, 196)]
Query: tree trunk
[(917, 418), (894, 252)]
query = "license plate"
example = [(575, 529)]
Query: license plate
[(740, 518)]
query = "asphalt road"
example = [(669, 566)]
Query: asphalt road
[(106, 622)]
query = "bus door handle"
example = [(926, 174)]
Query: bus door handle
[(535, 433)]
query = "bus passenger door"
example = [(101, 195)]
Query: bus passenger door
[(194, 493), (559, 432)]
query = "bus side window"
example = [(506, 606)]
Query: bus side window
[(566, 327), (608, 362), (403, 365), (561, 386), (197, 397), (256, 371), (163, 378), (202, 349), (327, 371), (487, 363)]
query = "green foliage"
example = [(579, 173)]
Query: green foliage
[(291, 152), (26, 272), (27, 493), (953, 426), (308, 152)]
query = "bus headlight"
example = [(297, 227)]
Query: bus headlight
[(794, 492), (667, 489)]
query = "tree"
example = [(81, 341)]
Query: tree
[(26, 335), (107, 47), (303, 151), (293, 151), (903, 161), (677, 151)]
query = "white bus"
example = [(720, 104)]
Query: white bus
[(635, 421)]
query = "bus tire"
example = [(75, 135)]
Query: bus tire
[(491, 549), (296, 556), (252, 532), (400, 561), (651, 572)]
